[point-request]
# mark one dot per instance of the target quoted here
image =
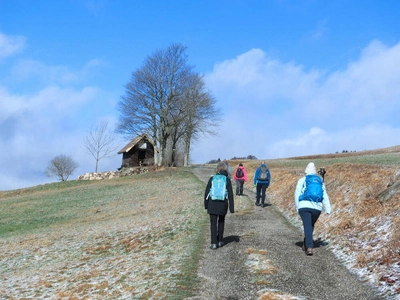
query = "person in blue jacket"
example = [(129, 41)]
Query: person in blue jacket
[(262, 178), (228, 169), (308, 209)]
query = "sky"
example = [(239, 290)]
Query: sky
[(291, 77)]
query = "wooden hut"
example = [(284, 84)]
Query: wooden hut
[(138, 152)]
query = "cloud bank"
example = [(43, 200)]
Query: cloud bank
[(270, 108), (46, 111), (279, 109)]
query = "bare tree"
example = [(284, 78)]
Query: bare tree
[(100, 142), (156, 100), (195, 115), (201, 116), (61, 166)]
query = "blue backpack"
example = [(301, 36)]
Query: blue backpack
[(313, 191), (218, 190)]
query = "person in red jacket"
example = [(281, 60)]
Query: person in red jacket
[(240, 178)]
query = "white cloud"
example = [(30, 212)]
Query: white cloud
[(369, 86), (10, 44), (288, 111), (52, 120), (31, 70), (9, 104), (260, 79)]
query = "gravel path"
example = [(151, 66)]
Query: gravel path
[(263, 256)]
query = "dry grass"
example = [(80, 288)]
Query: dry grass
[(364, 227), (269, 294), (243, 206), (260, 265)]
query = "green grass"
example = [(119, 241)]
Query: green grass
[(55, 207), (26, 210), (53, 204)]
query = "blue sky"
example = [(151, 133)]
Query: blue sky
[(291, 77)]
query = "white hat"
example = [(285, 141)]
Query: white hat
[(310, 169)]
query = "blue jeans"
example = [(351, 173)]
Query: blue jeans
[(309, 217)]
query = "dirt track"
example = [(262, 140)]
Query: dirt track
[(263, 255)]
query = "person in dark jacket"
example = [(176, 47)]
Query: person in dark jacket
[(261, 182), (218, 209)]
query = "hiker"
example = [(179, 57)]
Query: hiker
[(217, 198), (310, 198), (262, 178), (240, 178), (228, 169)]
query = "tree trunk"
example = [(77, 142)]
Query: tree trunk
[(186, 154)]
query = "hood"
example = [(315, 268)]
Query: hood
[(223, 172), (310, 169)]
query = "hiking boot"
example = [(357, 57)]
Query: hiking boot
[(213, 246), (309, 251), (263, 205), (220, 244), (257, 204)]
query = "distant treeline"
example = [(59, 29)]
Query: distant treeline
[(346, 151), (249, 157)]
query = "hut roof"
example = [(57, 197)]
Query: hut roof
[(134, 142)]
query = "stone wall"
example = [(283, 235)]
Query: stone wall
[(113, 174)]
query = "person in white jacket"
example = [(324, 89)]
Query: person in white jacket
[(309, 206)]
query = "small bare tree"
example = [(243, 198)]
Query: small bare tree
[(61, 166), (100, 142)]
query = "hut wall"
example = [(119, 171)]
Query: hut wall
[(137, 156)]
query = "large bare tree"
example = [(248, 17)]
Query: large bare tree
[(156, 98), (100, 142), (196, 115)]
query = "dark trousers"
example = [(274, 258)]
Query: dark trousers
[(217, 223), (239, 186), (261, 188), (309, 217)]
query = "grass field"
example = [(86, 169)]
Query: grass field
[(133, 237), (142, 236)]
